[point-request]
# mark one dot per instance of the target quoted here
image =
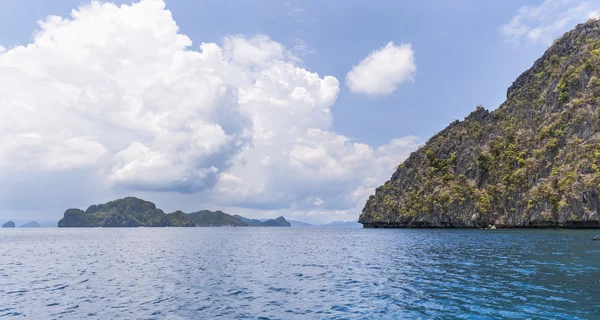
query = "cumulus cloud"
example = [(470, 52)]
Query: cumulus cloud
[(119, 81), (543, 23), (116, 98), (383, 71)]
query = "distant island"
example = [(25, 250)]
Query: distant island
[(217, 218), (135, 212), (534, 162), (8, 224), (278, 222), (31, 224)]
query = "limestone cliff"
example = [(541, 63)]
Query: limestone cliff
[(533, 162)]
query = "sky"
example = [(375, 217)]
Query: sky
[(261, 108)]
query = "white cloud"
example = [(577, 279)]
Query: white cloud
[(122, 79), (302, 49), (296, 11), (117, 100), (384, 70), (318, 201), (299, 14), (549, 20), (257, 50), (31, 150), (315, 164)]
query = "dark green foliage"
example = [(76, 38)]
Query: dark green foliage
[(207, 218), (279, 222), (179, 219), (126, 212), (134, 212)]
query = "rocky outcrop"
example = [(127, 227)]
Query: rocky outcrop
[(533, 162), (126, 212), (8, 224), (134, 212), (206, 218)]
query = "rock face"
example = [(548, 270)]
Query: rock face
[(533, 162), (126, 212), (8, 224), (218, 218), (31, 224)]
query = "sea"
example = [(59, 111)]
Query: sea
[(298, 273)]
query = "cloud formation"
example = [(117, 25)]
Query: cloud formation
[(383, 71), (116, 98), (543, 23)]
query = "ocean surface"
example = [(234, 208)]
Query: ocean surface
[(298, 273)]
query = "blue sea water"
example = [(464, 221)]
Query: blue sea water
[(298, 273)]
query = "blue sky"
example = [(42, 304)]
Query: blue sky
[(465, 53), (463, 60)]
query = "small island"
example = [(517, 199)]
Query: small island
[(206, 218), (8, 224), (31, 224), (135, 212), (278, 222)]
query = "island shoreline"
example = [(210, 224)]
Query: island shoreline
[(590, 226)]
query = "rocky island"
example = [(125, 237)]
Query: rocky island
[(31, 224), (134, 212), (126, 212), (532, 162), (217, 218), (8, 224), (278, 222)]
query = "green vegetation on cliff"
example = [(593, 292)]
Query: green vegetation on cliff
[(218, 218), (134, 212), (279, 222), (126, 212), (533, 162)]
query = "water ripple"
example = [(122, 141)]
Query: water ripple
[(298, 273)]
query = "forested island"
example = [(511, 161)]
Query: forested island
[(134, 212), (532, 162)]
